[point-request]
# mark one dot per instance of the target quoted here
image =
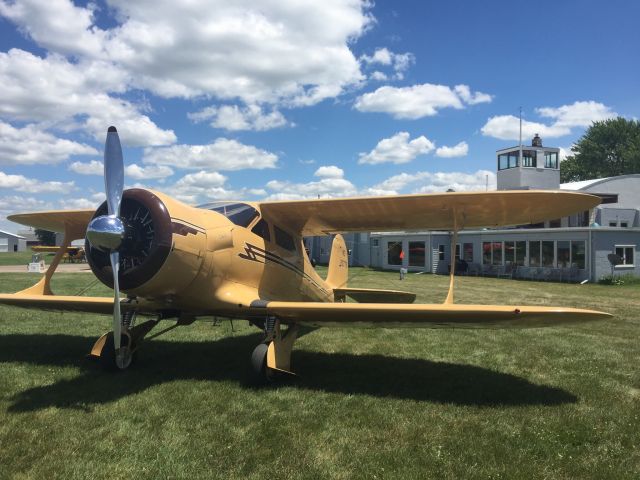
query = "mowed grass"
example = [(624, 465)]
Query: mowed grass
[(22, 258), (557, 403)]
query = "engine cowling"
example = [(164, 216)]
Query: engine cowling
[(147, 243)]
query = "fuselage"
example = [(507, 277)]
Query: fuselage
[(217, 257)]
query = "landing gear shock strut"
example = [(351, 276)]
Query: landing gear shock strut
[(273, 355)]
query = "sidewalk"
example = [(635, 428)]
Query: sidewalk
[(62, 268)]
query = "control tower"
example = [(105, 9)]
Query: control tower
[(529, 167)]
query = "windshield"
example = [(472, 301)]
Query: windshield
[(239, 213)]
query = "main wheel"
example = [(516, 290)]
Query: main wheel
[(108, 359), (259, 362)]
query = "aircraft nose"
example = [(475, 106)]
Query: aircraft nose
[(106, 232)]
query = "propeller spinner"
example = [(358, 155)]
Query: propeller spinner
[(106, 232)]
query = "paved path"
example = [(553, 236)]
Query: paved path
[(62, 268)]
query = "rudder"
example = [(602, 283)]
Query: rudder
[(338, 264)]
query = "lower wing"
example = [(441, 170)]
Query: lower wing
[(426, 315), (62, 303)]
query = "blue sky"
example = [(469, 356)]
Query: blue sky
[(288, 99)]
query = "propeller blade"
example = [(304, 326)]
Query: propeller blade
[(115, 265), (113, 171)]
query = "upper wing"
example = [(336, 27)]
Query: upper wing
[(55, 220), (426, 315), (431, 211)]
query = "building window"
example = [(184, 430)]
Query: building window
[(529, 158), (577, 254), (468, 252), (509, 252), (416, 254), (508, 160), (623, 224), (440, 252), (375, 242), (625, 252), (547, 253), (486, 253), (534, 254), (496, 252), (393, 253), (521, 253), (564, 254), (613, 224), (457, 252), (550, 159)]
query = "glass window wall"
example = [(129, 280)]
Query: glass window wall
[(416, 254), (393, 253)]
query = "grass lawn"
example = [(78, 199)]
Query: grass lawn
[(22, 258), (556, 403)]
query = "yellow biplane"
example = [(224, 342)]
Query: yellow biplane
[(247, 260)]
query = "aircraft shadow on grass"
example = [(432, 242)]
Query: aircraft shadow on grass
[(227, 360)]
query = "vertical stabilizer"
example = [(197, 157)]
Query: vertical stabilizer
[(338, 264)]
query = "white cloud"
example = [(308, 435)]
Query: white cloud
[(223, 154), (578, 114), (234, 118), (78, 203), (567, 117), (202, 186), (73, 96), (202, 179), (94, 167), (397, 149), (325, 187), (400, 62), (507, 127), (378, 76), (330, 171), (279, 50), (145, 173), (21, 183), (426, 182), (418, 101), (464, 92), (459, 150), (58, 25), (31, 145)]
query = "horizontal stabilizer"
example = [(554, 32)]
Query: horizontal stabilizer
[(371, 295)]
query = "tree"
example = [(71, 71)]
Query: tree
[(607, 149), (46, 237)]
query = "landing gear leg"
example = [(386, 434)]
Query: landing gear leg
[(273, 355), (130, 340)]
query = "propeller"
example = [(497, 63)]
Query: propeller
[(106, 232)]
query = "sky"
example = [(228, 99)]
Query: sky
[(284, 99)]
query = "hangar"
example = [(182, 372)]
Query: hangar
[(10, 242)]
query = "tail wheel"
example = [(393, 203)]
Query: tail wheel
[(125, 357)]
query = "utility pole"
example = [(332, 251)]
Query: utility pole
[(520, 143)]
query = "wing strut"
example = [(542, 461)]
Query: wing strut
[(43, 287), (452, 254)]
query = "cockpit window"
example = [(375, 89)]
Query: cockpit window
[(239, 213), (262, 229)]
